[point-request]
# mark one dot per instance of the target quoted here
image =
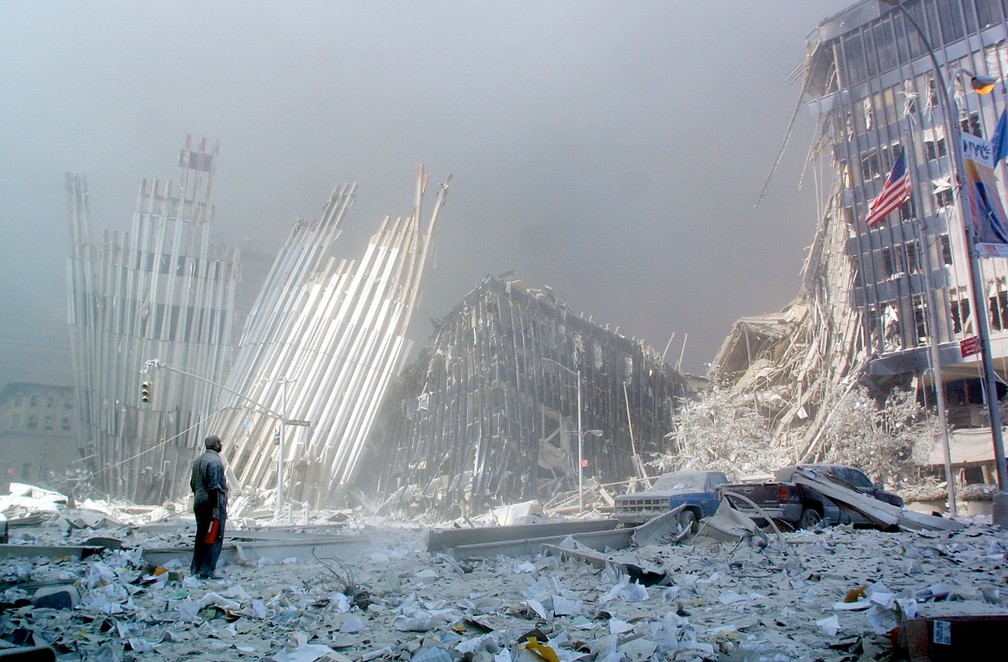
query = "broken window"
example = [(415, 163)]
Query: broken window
[(934, 149), (932, 90), (943, 198), (913, 256), (971, 124), (866, 108), (999, 307), (909, 100), (920, 317), (871, 165), (891, 331), (960, 309), (996, 55), (888, 263)]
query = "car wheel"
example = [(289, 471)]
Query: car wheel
[(810, 519), (687, 520)]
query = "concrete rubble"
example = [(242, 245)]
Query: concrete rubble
[(832, 594)]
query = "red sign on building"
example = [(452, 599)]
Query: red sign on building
[(969, 346)]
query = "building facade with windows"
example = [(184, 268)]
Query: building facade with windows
[(38, 428), (871, 84)]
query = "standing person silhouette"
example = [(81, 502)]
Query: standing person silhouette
[(209, 488)]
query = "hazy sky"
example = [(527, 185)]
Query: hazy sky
[(610, 150)]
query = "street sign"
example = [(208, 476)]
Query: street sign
[(294, 421), (969, 346)]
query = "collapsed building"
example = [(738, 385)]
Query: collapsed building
[(517, 398), (161, 289), (152, 317), (320, 346)]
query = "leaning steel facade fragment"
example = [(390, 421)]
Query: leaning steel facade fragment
[(489, 414), (160, 290), (318, 350)]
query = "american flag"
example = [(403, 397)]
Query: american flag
[(895, 192)]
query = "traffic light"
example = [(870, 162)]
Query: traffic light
[(145, 393)]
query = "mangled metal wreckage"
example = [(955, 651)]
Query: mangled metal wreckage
[(491, 412), (161, 287), (318, 350), (320, 347)]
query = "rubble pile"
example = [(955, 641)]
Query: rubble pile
[(832, 594)]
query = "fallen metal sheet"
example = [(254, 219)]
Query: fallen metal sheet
[(597, 540), (9, 551), (234, 552), (439, 540), (728, 524)]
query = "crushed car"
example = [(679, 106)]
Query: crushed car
[(799, 505)]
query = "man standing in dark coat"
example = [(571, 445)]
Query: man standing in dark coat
[(209, 488)]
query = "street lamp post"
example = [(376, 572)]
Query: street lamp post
[(283, 381), (952, 131)]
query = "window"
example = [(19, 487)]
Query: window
[(988, 12), (999, 310), (919, 311), (906, 210), (946, 249), (913, 257), (971, 124), (934, 148), (951, 21), (960, 309), (888, 263), (871, 165), (943, 198)]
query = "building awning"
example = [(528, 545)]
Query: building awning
[(967, 446)]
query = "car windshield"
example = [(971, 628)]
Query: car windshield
[(856, 478), (681, 481)]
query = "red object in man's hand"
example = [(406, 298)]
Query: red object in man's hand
[(213, 532)]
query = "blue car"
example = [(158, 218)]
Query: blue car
[(698, 490)]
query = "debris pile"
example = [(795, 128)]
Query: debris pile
[(832, 594)]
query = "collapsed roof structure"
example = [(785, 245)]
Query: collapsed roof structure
[(492, 410)]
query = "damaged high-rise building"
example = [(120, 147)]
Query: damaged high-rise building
[(491, 411), (161, 290), (881, 302)]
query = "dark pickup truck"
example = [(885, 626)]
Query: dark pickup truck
[(803, 507)]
